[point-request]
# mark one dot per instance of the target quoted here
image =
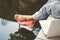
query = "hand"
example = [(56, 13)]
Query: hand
[(23, 17), (25, 20), (28, 23)]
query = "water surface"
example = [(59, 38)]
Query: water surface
[(7, 27)]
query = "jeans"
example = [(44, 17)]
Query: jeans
[(36, 31)]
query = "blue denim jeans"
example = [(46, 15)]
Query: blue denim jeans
[(36, 31)]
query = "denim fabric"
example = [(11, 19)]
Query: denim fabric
[(36, 31), (52, 7)]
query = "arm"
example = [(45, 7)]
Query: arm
[(44, 12)]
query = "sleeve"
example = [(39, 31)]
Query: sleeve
[(44, 12)]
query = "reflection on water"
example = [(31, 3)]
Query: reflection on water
[(7, 27), (3, 22)]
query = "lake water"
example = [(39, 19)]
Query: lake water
[(7, 27)]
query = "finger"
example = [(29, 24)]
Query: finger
[(18, 17), (23, 23), (27, 23)]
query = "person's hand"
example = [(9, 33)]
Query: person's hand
[(28, 23), (25, 20), (22, 18)]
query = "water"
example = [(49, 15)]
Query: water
[(7, 27)]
